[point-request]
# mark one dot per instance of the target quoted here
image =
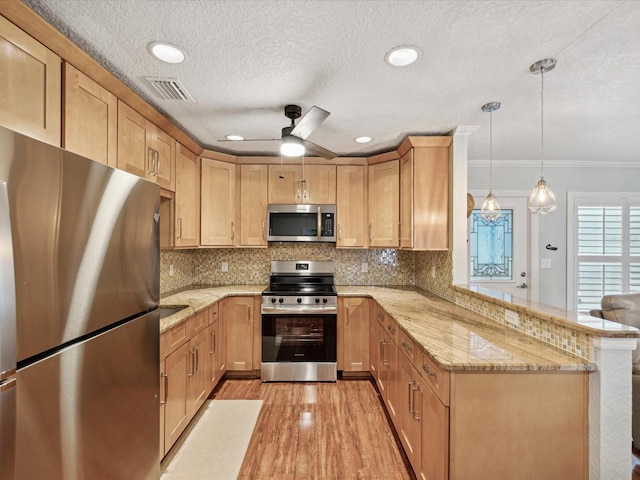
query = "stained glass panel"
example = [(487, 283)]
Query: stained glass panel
[(491, 247)]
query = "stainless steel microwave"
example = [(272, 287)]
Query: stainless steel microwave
[(301, 223)]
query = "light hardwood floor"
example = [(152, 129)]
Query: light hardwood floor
[(318, 431)]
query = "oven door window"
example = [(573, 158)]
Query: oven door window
[(299, 338)]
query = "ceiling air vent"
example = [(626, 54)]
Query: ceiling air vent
[(170, 88)]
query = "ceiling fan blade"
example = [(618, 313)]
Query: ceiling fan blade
[(319, 151), (311, 120), (251, 140)]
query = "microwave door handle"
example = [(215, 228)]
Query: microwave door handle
[(319, 223)]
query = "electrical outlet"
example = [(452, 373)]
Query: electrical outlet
[(511, 317), (224, 266), (433, 271), (171, 270), (365, 267), (545, 263)]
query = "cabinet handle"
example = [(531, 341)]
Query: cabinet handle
[(150, 158), (264, 230), (233, 230), (346, 317), (197, 359), (303, 188), (406, 346), (248, 312), (166, 388), (391, 329), (369, 232), (213, 343), (425, 367), (157, 170), (297, 189), (179, 227), (339, 231), (415, 415), (382, 356), (410, 398), (191, 370)]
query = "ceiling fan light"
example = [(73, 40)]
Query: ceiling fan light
[(292, 146), (542, 199), (166, 52), (402, 56)]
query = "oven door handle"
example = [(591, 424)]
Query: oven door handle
[(268, 310)]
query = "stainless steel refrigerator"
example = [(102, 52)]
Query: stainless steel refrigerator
[(79, 333)]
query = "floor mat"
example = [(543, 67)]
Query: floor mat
[(216, 445)]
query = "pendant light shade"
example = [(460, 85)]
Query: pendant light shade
[(490, 211), (542, 199)]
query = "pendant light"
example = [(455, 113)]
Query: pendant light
[(490, 211), (542, 199)]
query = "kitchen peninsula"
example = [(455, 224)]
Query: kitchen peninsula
[(480, 383)]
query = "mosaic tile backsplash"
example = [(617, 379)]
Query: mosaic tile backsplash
[(431, 271), (251, 265)]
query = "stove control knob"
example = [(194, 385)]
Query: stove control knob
[(273, 300), (299, 300), (281, 300), (324, 300), (317, 300)]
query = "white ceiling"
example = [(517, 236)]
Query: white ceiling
[(245, 60)]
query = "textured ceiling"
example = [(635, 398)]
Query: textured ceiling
[(245, 60)]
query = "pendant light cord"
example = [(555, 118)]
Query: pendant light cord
[(542, 123), (490, 150)]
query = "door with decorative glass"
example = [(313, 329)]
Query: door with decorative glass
[(499, 251)]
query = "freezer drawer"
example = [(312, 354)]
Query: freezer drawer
[(91, 411)]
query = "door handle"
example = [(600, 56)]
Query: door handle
[(522, 285)]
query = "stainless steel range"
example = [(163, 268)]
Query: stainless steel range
[(299, 323)]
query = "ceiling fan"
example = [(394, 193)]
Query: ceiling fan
[(294, 141)]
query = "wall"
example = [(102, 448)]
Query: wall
[(565, 178), (251, 265)]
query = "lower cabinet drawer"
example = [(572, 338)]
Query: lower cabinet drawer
[(436, 377)]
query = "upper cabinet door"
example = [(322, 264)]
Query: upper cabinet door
[(424, 193), (291, 184), (218, 203), (90, 118), (30, 79), (187, 198), (164, 168), (135, 154), (351, 203), (384, 208), (253, 205)]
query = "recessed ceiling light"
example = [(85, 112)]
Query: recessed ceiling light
[(403, 55), (362, 139), (235, 138), (166, 52)]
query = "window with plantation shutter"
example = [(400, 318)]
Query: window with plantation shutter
[(607, 249)]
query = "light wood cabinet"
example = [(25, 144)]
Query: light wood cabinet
[(144, 149), (351, 206), (410, 405), (176, 407), (253, 205), (218, 203), (187, 198), (384, 199), (30, 81), (353, 334), (90, 118), (288, 184), (434, 439), (238, 313), (424, 195), (388, 372), (186, 373)]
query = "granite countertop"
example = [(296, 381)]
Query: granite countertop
[(597, 327), (455, 337)]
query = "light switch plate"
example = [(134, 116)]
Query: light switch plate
[(224, 266), (511, 317), (545, 263)]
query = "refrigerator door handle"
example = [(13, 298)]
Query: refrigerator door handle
[(7, 290)]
